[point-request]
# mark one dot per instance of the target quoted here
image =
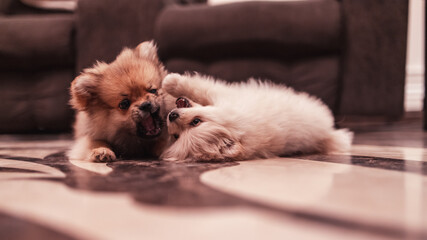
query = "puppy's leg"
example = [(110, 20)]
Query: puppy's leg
[(339, 141), (90, 150), (80, 149), (199, 89)]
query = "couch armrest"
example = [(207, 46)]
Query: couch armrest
[(104, 27), (375, 57)]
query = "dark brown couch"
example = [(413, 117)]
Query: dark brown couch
[(350, 53), (37, 63)]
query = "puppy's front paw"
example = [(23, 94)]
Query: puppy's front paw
[(102, 154), (170, 83)]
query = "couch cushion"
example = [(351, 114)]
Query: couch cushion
[(34, 41), (271, 29), (35, 101)]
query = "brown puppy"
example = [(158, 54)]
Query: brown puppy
[(121, 108)]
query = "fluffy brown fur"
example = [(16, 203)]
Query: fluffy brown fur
[(121, 108)]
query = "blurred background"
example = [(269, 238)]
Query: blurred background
[(414, 93), (363, 58)]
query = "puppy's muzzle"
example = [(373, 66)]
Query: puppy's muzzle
[(148, 120), (173, 116)]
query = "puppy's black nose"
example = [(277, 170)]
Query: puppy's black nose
[(173, 116), (145, 106)]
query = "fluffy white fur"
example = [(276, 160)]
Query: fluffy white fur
[(248, 120)]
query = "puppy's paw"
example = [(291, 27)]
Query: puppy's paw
[(102, 154), (170, 83)]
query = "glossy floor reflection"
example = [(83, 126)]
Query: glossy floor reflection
[(379, 191)]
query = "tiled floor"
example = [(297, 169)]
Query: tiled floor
[(377, 192)]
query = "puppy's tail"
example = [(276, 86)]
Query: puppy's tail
[(339, 141)]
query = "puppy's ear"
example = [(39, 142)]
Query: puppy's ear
[(83, 89), (225, 149), (216, 143), (230, 149), (147, 49)]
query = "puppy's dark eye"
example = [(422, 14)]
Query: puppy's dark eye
[(176, 136), (153, 91), (195, 122), (124, 104)]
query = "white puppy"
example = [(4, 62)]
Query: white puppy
[(223, 121)]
